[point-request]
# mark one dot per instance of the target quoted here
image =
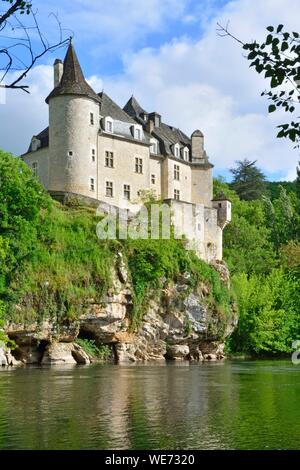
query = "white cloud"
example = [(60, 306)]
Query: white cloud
[(115, 25), (24, 115), (208, 84)]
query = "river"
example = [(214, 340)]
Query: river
[(222, 405)]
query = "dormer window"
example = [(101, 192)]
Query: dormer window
[(137, 132), (35, 144), (177, 150), (186, 154), (153, 146), (109, 125)]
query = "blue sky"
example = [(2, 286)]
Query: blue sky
[(168, 54)]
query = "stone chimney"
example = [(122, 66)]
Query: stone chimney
[(155, 118), (58, 72), (150, 126), (198, 154)]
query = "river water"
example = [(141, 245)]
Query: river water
[(223, 405)]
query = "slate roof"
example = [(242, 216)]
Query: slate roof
[(109, 108), (133, 109), (43, 137), (167, 135), (73, 81)]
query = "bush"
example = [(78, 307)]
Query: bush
[(102, 352)]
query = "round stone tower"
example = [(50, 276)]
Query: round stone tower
[(74, 114)]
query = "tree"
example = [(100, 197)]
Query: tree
[(21, 199), (25, 43), (247, 244), (248, 181), (278, 57)]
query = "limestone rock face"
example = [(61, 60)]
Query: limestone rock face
[(178, 323), (29, 354), (59, 353), (7, 359), (178, 351), (26, 335), (80, 356), (3, 358)]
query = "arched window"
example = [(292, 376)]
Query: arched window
[(186, 154), (177, 150), (137, 132)]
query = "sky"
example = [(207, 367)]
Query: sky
[(167, 53)]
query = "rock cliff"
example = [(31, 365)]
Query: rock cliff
[(178, 323)]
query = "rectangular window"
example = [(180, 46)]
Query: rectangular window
[(93, 155), (109, 126), (176, 194), (127, 191), (138, 134), (176, 172), (35, 169), (70, 153), (152, 179), (92, 184), (139, 165), (177, 152), (109, 159), (109, 189), (153, 148), (92, 119)]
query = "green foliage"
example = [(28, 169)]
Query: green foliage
[(261, 247), (69, 266), (274, 188), (269, 313), (248, 180), (23, 7), (153, 263), (282, 218), (102, 352), (247, 233), (22, 200)]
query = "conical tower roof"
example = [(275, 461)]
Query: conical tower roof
[(73, 81)]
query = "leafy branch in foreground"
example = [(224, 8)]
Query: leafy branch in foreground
[(278, 57)]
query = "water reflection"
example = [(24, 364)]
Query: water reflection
[(230, 405)]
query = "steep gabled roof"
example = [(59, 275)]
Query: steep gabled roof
[(166, 134), (73, 81), (133, 108), (110, 108)]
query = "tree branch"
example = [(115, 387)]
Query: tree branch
[(11, 11)]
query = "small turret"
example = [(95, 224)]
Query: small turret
[(223, 205)]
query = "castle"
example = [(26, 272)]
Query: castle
[(98, 151)]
